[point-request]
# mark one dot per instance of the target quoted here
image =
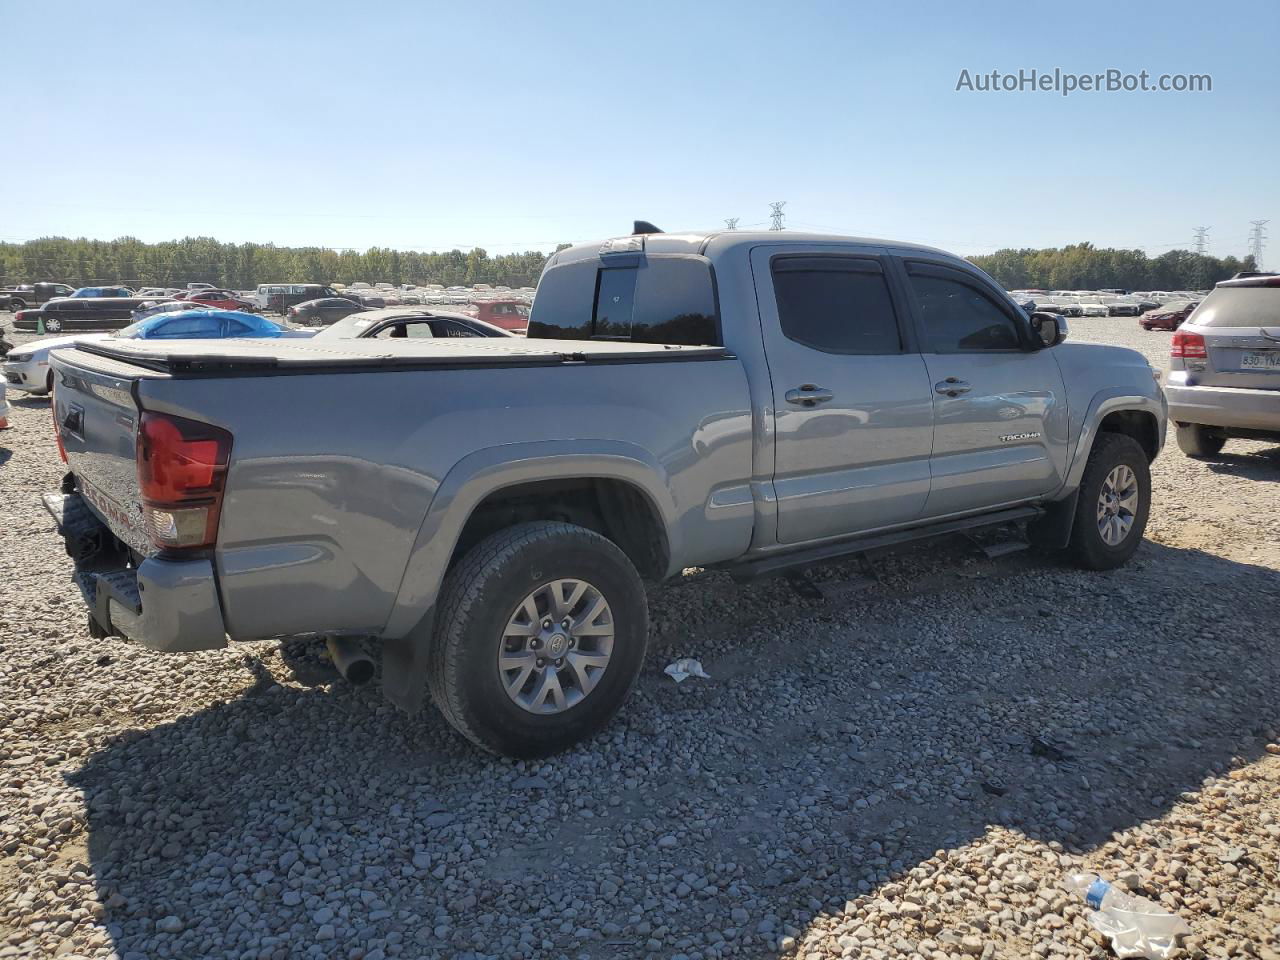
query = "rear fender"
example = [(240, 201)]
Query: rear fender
[(479, 474)]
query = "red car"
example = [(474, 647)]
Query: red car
[(218, 299), (510, 315), (1168, 317)]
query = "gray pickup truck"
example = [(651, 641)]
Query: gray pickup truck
[(485, 510)]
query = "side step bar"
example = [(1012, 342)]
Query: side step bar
[(770, 565)]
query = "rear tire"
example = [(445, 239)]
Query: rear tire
[(53, 325), (1196, 441), (1116, 478), (485, 594)]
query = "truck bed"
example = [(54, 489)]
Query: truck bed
[(348, 459)]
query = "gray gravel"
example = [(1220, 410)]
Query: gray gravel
[(907, 767)]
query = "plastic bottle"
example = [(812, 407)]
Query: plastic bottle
[(1138, 927)]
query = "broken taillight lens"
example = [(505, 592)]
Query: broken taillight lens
[(1188, 346), (182, 467)]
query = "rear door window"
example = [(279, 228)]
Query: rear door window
[(836, 304)]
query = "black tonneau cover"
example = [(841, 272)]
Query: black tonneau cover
[(196, 357)]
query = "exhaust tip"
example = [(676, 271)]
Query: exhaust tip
[(360, 672), (350, 660)]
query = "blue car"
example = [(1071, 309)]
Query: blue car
[(202, 325), (27, 367), (84, 292)]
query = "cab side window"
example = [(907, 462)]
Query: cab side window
[(836, 305), (957, 316)]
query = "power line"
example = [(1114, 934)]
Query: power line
[(776, 214), (731, 223), (1258, 240), (1202, 240)]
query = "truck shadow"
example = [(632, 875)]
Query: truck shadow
[(1263, 464), (869, 735)]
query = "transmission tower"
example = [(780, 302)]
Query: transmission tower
[(731, 223), (1202, 240), (1258, 240), (776, 214)]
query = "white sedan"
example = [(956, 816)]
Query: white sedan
[(27, 367)]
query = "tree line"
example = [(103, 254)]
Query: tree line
[(83, 262), (1082, 266)]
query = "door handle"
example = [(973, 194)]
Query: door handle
[(952, 387), (808, 395)]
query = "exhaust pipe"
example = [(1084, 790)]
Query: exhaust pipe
[(349, 658)]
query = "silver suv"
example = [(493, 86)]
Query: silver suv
[(1224, 367)]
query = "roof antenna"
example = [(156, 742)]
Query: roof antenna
[(643, 226)]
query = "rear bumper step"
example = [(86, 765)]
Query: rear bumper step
[(181, 612)]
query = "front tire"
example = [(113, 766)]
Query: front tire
[(1113, 503), (1196, 441), (541, 636)]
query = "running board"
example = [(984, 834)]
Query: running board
[(770, 565)]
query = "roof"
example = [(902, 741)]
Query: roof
[(407, 310), (720, 241)]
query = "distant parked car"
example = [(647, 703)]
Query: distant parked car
[(1168, 317), (218, 300), (1094, 310), (323, 312), (90, 292), (150, 309), (32, 295), (1224, 367), (508, 314), (279, 297), (408, 322), (80, 313), (1124, 309), (27, 367)]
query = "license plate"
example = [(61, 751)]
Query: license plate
[(1260, 360)]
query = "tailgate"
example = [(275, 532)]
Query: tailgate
[(1242, 357), (97, 419)]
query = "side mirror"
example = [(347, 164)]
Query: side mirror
[(1051, 328)]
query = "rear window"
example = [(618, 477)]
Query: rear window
[(659, 300), (1239, 307)]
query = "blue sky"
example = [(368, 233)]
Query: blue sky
[(519, 125)]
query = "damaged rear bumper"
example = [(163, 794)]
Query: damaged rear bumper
[(163, 604)]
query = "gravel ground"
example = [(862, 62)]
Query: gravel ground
[(907, 767)]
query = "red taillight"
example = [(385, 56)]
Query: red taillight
[(1188, 346), (182, 465), (57, 431)]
